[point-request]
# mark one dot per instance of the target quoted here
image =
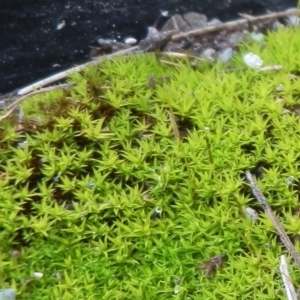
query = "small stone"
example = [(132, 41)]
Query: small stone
[(214, 22), (290, 180), (8, 294), (189, 21), (209, 54), (37, 275), (235, 38), (195, 20), (90, 185), (279, 87), (257, 37), (293, 20), (156, 213), (277, 25), (253, 61), (61, 25), (56, 178), (22, 145), (165, 13), (177, 289), (226, 55), (130, 41)]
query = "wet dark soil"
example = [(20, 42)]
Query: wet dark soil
[(32, 47)]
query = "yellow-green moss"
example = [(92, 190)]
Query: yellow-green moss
[(78, 197)]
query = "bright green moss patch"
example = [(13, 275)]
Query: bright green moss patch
[(78, 197)]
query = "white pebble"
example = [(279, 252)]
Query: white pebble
[(38, 275), (165, 13), (290, 180), (61, 25), (253, 61), (22, 145), (130, 41), (293, 19), (8, 294), (209, 54), (226, 55), (177, 289), (257, 37)]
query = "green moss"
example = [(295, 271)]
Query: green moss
[(78, 197)]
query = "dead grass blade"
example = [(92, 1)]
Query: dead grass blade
[(15, 104)]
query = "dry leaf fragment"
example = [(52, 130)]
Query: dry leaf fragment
[(213, 264), (270, 68)]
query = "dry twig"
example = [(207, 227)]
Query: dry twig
[(62, 75), (233, 24), (280, 230)]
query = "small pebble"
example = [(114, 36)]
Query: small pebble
[(61, 25), (22, 145), (165, 13), (290, 180), (156, 213), (257, 37), (277, 25), (130, 41), (90, 185), (209, 54), (253, 61), (56, 178), (279, 87), (226, 55), (8, 294), (37, 275), (177, 289)]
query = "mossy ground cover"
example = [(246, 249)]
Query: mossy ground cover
[(78, 197)]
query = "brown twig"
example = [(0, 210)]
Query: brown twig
[(280, 230), (15, 104), (232, 24)]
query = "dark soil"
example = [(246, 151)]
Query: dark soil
[(32, 48)]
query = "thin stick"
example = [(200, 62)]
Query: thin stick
[(286, 278), (169, 63), (232, 24), (41, 83), (281, 232), (179, 55), (15, 104)]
